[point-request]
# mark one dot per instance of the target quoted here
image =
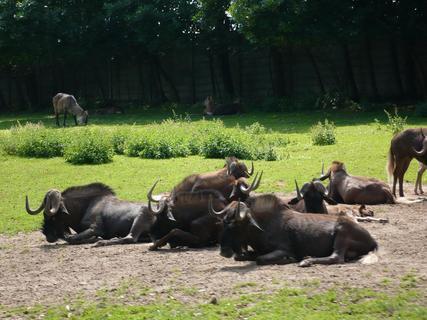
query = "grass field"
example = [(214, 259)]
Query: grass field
[(360, 144)]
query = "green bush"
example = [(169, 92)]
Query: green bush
[(221, 144), (119, 138), (156, 145), (323, 133), (395, 123), (89, 146), (421, 109), (34, 140)]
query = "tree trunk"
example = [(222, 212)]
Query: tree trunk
[(168, 80), (411, 91), (420, 74), (354, 92), (226, 74), (371, 68), (290, 77), (140, 67), (212, 74), (193, 74), (277, 72), (316, 70), (396, 69), (99, 82)]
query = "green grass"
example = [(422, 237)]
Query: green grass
[(347, 303), (359, 144)]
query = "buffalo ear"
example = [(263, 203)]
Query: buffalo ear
[(63, 208), (294, 201), (330, 200)]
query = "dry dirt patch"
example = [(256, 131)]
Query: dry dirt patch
[(33, 271)]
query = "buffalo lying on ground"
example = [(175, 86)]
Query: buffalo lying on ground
[(65, 103), (183, 219), (406, 145), (345, 188), (222, 180), (279, 235), (212, 109), (93, 212), (312, 198)]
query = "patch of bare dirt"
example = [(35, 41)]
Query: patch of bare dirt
[(33, 271)]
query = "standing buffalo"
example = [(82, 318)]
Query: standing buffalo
[(183, 219), (406, 145), (279, 235), (92, 211), (65, 103), (344, 188)]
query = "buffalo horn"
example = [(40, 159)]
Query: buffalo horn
[(252, 169), (423, 151), (33, 212), (299, 196), (323, 167), (170, 215), (254, 185), (253, 222), (212, 210), (150, 198)]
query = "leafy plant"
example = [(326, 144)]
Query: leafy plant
[(34, 140), (395, 123), (89, 146), (221, 144), (323, 133)]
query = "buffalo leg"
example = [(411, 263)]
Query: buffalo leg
[(398, 173), (75, 120), (138, 227), (404, 168), (419, 181), (57, 119), (180, 235), (275, 257), (65, 116), (88, 236)]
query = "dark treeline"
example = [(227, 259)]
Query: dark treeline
[(58, 37)]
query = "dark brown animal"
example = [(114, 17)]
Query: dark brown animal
[(312, 198), (212, 109), (279, 235), (94, 212), (406, 145), (183, 219), (65, 103), (221, 180), (345, 188)]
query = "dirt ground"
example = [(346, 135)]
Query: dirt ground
[(35, 272)]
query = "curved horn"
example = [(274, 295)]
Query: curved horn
[(423, 151), (34, 212), (212, 210), (150, 198), (323, 167), (254, 185), (253, 222), (422, 133), (299, 196), (252, 169), (228, 169)]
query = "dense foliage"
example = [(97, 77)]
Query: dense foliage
[(60, 34)]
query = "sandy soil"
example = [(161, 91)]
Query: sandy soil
[(33, 271)]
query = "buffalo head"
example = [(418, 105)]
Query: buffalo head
[(313, 193), (335, 167), (238, 169), (82, 118), (241, 190), (54, 212), (236, 219)]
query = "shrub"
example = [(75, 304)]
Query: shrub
[(89, 146), (34, 140), (255, 128), (395, 123), (119, 138), (323, 133), (421, 109), (267, 153), (336, 100), (220, 144), (156, 144)]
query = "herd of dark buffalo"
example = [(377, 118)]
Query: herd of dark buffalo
[(318, 226)]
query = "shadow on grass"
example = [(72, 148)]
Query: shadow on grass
[(284, 122)]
